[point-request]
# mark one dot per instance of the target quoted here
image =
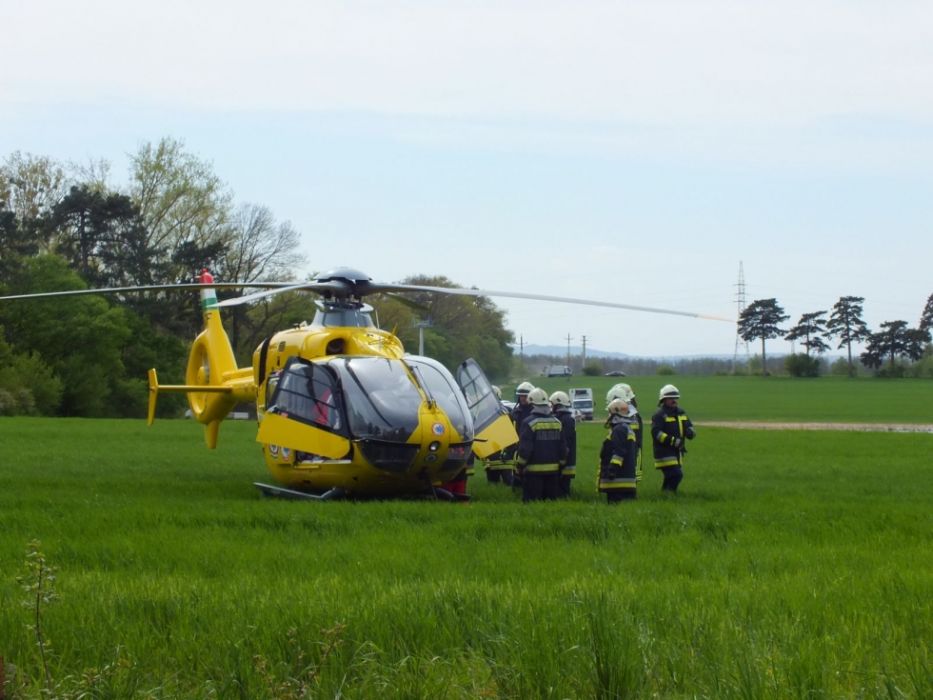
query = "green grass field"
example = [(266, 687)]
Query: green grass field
[(793, 564), (774, 399)]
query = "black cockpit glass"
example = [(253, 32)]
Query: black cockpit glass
[(440, 385), (382, 402)]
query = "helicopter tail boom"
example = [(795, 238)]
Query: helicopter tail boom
[(213, 382)]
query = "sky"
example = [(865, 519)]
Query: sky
[(635, 152)]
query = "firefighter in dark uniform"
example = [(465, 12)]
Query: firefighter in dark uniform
[(560, 407), (634, 419), (518, 415), (522, 405), (500, 465), (617, 456), (670, 428), (542, 450)]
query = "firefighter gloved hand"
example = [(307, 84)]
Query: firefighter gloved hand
[(690, 433)]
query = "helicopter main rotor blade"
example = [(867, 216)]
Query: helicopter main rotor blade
[(333, 287), (544, 297), (146, 288), (342, 288)]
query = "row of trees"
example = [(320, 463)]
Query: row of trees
[(762, 319), (65, 227)]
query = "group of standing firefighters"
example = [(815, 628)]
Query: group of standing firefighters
[(543, 463)]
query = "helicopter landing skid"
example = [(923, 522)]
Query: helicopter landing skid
[(292, 495), (445, 495)]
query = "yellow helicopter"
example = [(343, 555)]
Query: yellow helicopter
[(342, 410)]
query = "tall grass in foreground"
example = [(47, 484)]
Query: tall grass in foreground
[(792, 565)]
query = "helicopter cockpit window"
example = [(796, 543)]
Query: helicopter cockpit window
[(440, 386), (309, 393), (344, 317), (483, 404), (382, 401)]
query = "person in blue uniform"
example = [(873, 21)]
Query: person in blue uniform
[(561, 408), (542, 450), (670, 429), (634, 420), (518, 415), (617, 456)]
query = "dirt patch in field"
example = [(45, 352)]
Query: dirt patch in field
[(860, 427)]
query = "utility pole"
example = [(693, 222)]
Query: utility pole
[(421, 325), (583, 366), (741, 303), (568, 349)]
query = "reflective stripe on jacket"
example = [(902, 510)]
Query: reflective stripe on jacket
[(568, 427), (618, 457), (666, 425), (541, 444)]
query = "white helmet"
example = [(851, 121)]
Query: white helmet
[(538, 397), (497, 391), (524, 388), (668, 391), (620, 391), (560, 398), (617, 406)]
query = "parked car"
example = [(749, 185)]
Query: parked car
[(614, 373)]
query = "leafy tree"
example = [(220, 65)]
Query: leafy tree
[(27, 384), (810, 327), (593, 368), (81, 339), (270, 315), (182, 203), (102, 237), (259, 248), (846, 323), (926, 318), (462, 326), (800, 365), (14, 246), (894, 340), (31, 186), (762, 319)]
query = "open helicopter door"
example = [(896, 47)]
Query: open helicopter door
[(491, 422), (306, 413)]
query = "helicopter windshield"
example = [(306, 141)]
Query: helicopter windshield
[(381, 399), (440, 386)]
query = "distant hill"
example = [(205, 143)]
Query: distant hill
[(560, 353)]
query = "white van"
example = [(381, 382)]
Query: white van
[(558, 371), (582, 400)]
